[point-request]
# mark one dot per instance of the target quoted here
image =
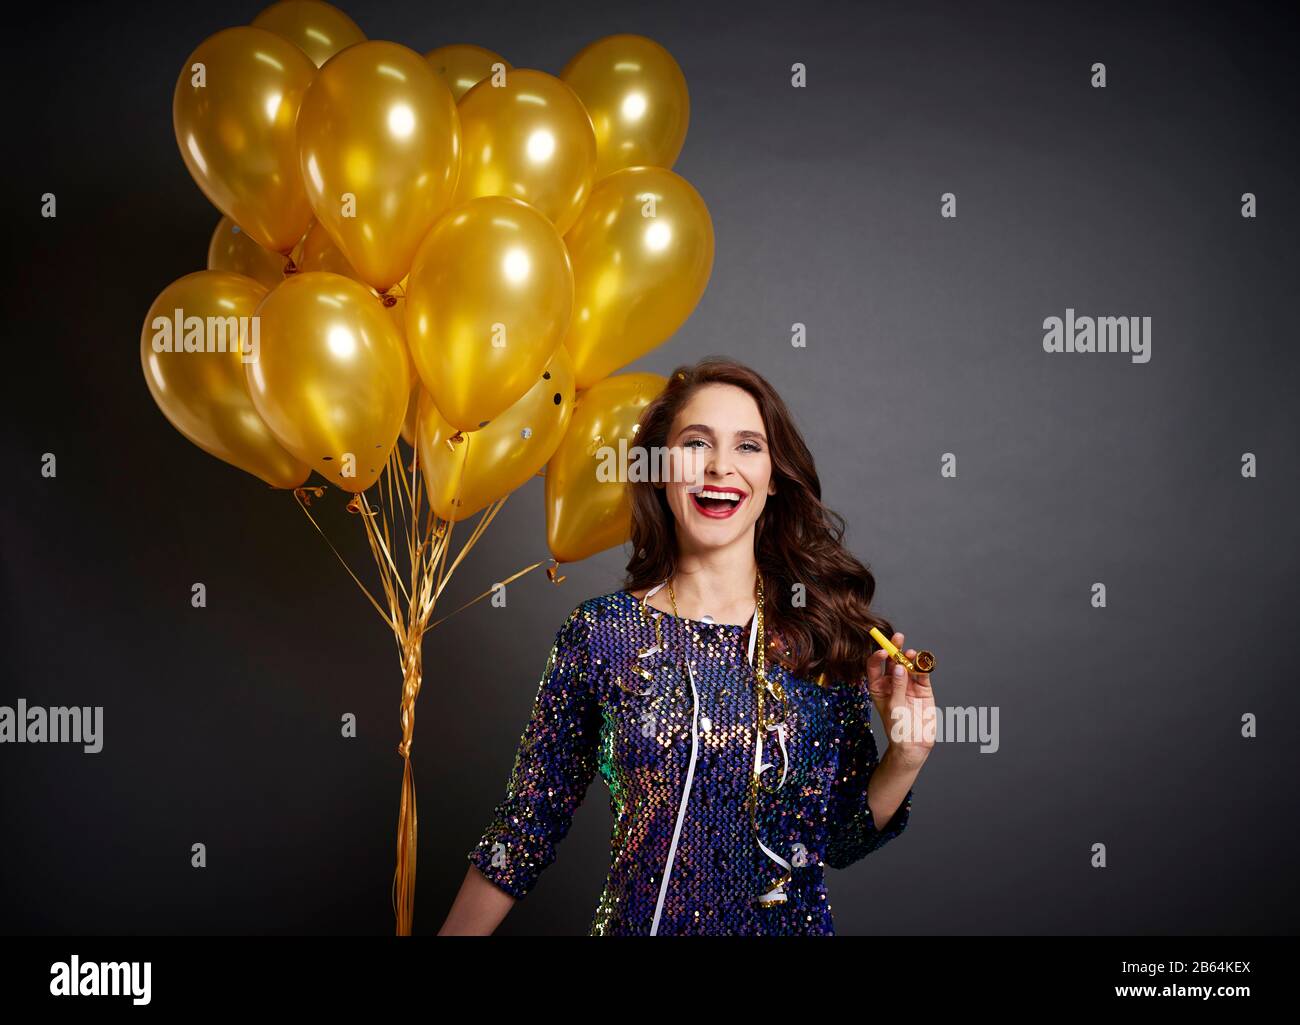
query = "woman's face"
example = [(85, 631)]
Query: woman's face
[(719, 442)]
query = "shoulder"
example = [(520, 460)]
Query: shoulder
[(598, 635), (602, 606), (597, 616)]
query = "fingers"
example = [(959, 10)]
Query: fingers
[(876, 667), (878, 663), (884, 674), (898, 673)]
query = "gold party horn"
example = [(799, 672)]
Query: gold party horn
[(923, 663)]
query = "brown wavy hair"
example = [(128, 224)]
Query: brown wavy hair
[(798, 540)]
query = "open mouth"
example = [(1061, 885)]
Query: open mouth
[(718, 503)]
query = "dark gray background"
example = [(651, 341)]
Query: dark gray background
[(1119, 726)]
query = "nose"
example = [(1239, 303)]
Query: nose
[(719, 464)]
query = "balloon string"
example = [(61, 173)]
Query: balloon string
[(508, 580), (399, 516), (469, 544), (364, 590), (378, 524), (405, 503), (430, 574), (403, 890), (401, 623), (407, 819), (381, 541)]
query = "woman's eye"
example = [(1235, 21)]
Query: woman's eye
[(693, 442), (750, 446)]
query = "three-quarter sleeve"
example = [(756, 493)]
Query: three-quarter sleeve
[(852, 830), (555, 762)]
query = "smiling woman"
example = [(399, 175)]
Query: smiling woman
[(724, 696)]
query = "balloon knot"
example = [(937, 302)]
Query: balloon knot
[(305, 495), (553, 572), (388, 300), (289, 266)]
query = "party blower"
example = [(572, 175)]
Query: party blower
[(922, 663)]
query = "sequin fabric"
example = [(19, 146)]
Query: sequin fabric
[(609, 704)]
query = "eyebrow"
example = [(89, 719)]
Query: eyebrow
[(706, 429)]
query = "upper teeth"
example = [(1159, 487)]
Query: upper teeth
[(730, 495)]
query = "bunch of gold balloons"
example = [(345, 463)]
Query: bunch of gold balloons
[(441, 247)]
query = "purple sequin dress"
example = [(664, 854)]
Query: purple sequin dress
[(677, 757)]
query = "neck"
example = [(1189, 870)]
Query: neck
[(718, 582)]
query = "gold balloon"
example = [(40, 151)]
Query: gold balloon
[(320, 253), (331, 381), (468, 473), (202, 391), (636, 96), (318, 29), (412, 412), (530, 139), (585, 514), (379, 144), (487, 305), (232, 250), (234, 111), (642, 253), (463, 65)]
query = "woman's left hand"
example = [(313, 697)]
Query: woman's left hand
[(905, 704)]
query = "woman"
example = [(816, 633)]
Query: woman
[(724, 696)]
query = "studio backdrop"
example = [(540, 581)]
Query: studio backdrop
[(1024, 274)]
